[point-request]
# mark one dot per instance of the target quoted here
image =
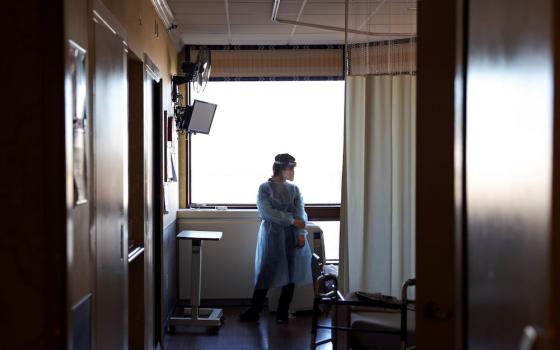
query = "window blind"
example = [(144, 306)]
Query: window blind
[(313, 62)]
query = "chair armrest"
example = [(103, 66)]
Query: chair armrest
[(404, 291)]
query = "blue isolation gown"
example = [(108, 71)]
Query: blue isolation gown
[(278, 260)]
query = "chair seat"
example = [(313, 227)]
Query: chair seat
[(380, 321)]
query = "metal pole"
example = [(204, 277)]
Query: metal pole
[(195, 277)]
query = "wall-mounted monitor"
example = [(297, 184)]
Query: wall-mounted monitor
[(195, 118), (202, 117)]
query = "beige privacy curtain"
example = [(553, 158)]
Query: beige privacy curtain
[(377, 244)]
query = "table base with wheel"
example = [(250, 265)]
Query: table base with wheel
[(194, 315)]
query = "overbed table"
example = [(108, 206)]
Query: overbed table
[(194, 315)]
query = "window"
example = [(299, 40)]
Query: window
[(331, 237), (255, 121)]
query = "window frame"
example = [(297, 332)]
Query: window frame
[(315, 212)]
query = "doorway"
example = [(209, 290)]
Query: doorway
[(137, 262), (158, 211)]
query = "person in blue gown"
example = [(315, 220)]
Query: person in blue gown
[(283, 256)]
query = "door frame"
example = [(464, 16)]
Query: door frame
[(440, 248), (153, 121)]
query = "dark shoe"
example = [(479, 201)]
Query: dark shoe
[(282, 318), (249, 316)]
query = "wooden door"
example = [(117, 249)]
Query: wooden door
[(110, 186), (509, 166)]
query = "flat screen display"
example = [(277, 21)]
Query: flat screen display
[(202, 117)]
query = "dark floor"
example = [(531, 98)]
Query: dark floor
[(266, 334)]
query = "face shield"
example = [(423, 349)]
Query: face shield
[(287, 169), (285, 163)]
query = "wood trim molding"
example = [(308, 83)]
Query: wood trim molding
[(102, 14), (151, 68)]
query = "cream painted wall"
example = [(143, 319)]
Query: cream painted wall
[(138, 17), (228, 265)]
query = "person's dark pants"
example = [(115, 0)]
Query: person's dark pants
[(259, 295), (284, 301)]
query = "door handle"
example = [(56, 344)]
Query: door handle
[(122, 241)]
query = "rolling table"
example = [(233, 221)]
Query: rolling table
[(194, 315)]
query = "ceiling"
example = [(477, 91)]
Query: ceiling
[(249, 22)]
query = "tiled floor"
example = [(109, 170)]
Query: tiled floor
[(266, 334)]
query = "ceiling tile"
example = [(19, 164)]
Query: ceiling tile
[(198, 7), (256, 29), (330, 20), (193, 19), (250, 19), (202, 29), (205, 21), (246, 8)]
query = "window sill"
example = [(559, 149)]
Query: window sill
[(217, 214)]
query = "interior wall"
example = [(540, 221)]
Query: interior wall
[(77, 20), (33, 257), (146, 34), (139, 19), (170, 279), (33, 239), (228, 265), (76, 29)]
